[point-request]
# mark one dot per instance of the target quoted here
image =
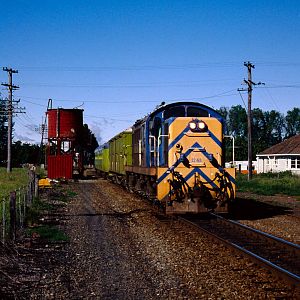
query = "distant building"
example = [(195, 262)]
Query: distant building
[(242, 166), (284, 156)]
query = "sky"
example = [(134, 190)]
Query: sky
[(118, 60)]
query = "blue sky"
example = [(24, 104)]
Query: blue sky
[(122, 58)]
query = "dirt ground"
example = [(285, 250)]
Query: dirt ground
[(121, 247)]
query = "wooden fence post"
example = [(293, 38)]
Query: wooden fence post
[(3, 220), (36, 186), (12, 206)]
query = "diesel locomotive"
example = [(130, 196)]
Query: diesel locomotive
[(174, 156)]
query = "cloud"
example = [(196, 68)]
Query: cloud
[(95, 127), (24, 139)]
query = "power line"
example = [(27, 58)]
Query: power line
[(223, 94), (129, 68)]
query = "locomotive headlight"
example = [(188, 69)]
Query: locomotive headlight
[(193, 125), (201, 125)]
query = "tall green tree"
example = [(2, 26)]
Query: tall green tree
[(292, 122), (275, 125), (237, 127), (23, 153), (259, 129), (224, 112)]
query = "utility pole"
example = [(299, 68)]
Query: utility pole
[(249, 83), (10, 87)]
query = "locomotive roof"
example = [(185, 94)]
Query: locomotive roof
[(167, 106)]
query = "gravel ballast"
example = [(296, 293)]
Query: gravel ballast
[(127, 250), (122, 247)]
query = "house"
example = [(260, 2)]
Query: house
[(281, 157)]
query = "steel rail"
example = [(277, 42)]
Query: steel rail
[(266, 235), (276, 270)]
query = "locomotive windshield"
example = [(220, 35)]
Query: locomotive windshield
[(185, 111), (193, 111), (177, 111)]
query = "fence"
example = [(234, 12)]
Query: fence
[(13, 208)]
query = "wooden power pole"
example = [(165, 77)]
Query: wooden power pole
[(249, 82), (10, 87), (250, 85)]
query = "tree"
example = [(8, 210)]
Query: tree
[(227, 148), (90, 143), (259, 130), (23, 153), (275, 124), (237, 124), (292, 122), (237, 127)]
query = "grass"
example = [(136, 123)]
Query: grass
[(12, 181), (50, 233), (44, 206), (270, 184)]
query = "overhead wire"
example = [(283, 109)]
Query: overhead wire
[(129, 68), (267, 92), (129, 101)]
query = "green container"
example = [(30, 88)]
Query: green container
[(120, 152)]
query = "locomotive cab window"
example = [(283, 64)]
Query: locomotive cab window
[(177, 111), (196, 112), (155, 127)]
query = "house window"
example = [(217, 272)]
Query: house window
[(295, 162)]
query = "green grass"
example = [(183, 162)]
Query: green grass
[(50, 233), (12, 181), (270, 184)]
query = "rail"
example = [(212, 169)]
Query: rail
[(280, 257)]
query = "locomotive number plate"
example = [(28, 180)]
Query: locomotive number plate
[(195, 159)]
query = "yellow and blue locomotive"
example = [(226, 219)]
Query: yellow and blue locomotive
[(175, 156)]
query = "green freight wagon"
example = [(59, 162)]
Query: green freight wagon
[(120, 154), (102, 160)]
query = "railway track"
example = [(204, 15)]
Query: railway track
[(280, 257)]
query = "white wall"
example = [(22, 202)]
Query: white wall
[(275, 164)]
